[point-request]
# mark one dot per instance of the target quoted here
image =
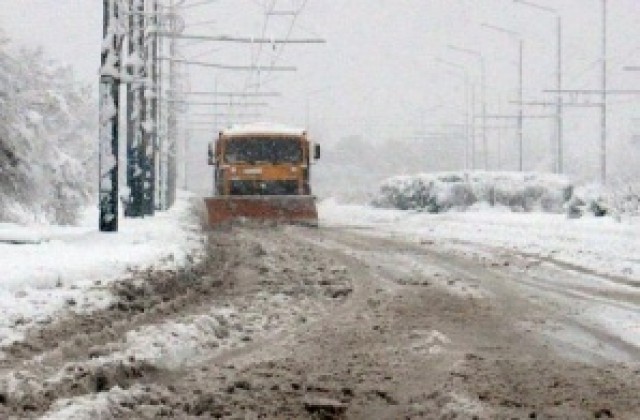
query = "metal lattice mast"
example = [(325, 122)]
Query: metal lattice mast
[(135, 100), (139, 110), (131, 152), (109, 112), (146, 126), (161, 145)]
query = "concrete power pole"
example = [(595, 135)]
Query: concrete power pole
[(483, 87), (520, 99), (558, 148), (517, 37), (161, 129), (131, 126), (153, 95), (147, 128), (135, 110), (559, 100), (603, 141), (170, 194), (109, 113)]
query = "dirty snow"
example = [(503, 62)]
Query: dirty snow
[(46, 268), (597, 254)]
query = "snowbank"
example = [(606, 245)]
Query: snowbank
[(435, 193), (54, 267)]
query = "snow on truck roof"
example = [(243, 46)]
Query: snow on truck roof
[(262, 128)]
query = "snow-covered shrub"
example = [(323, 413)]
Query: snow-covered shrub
[(435, 193), (617, 198), (589, 199), (47, 145), (625, 198)]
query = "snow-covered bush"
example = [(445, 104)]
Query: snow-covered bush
[(47, 145), (625, 198), (618, 198), (435, 193)]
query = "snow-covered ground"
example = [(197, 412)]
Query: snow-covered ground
[(600, 254), (46, 268), (603, 245)]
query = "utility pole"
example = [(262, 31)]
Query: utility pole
[(161, 142), (465, 75), (473, 128), (603, 140), (185, 162), (604, 93), (520, 98), (153, 95), (559, 147), (172, 117), (483, 82), (147, 126), (135, 110), (131, 125), (559, 100), (520, 42), (109, 112)]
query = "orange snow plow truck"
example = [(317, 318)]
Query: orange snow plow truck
[(262, 173)]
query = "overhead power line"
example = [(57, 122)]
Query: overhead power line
[(231, 94), (198, 4), (227, 66), (242, 40)]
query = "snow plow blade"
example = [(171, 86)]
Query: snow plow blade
[(293, 209)]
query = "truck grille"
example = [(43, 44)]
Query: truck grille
[(264, 187)]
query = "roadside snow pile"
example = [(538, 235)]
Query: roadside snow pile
[(440, 192), (70, 267)]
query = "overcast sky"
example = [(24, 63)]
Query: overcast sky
[(378, 75)]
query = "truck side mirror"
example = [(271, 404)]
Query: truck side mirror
[(316, 152)]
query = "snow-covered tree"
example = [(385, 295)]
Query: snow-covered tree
[(47, 139)]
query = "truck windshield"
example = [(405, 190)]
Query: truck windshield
[(263, 149)]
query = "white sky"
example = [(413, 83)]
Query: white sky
[(377, 76)]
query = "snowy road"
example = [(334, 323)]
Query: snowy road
[(370, 316)]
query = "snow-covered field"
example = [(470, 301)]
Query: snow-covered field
[(46, 268)]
